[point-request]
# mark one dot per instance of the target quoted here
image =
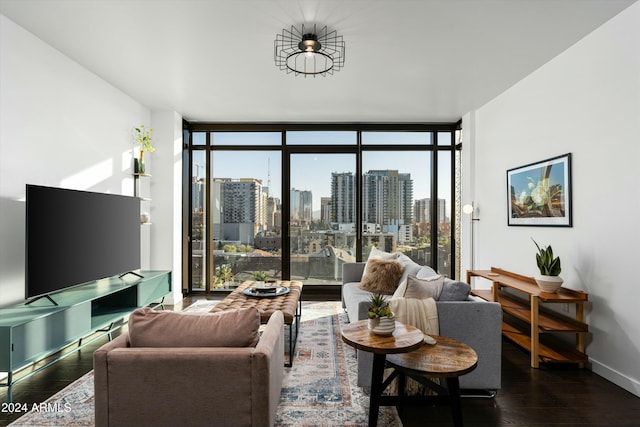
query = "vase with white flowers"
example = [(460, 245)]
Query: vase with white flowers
[(143, 138)]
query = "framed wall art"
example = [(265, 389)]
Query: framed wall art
[(540, 193)]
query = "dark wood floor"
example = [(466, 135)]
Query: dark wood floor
[(550, 396)]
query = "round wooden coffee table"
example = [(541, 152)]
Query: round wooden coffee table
[(405, 338), (448, 359)]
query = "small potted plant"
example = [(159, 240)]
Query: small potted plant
[(381, 318), (223, 276), (143, 138), (549, 279), (259, 277)]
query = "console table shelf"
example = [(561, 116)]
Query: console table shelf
[(29, 333), (550, 350), (528, 324)]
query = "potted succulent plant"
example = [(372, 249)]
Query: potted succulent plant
[(259, 277), (549, 279), (381, 318)]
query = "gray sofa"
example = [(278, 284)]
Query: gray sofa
[(473, 321)]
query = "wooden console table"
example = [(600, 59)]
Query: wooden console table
[(526, 320)]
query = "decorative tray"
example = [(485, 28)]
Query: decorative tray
[(267, 291)]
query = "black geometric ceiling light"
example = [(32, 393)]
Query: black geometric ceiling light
[(309, 52)]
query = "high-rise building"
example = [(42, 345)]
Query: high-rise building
[(422, 211), (387, 198), (325, 210), (239, 208), (197, 194), (301, 203), (343, 198), (273, 221), (306, 206)]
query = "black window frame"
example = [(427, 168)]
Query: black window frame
[(189, 128)]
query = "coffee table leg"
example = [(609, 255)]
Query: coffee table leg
[(454, 395), (377, 376)]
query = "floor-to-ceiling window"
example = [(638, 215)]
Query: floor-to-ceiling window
[(298, 201), (322, 182)]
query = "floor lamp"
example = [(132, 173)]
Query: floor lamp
[(470, 210)]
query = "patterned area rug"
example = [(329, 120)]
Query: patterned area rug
[(319, 390)]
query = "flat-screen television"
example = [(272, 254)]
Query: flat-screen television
[(74, 237)]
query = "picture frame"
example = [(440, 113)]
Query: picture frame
[(539, 194)]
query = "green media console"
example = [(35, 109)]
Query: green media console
[(29, 333)]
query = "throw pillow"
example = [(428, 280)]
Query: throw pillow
[(454, 290), (382, 277), (425, 272), (410, 268), (234, 328), (377, 254), (421, 288)]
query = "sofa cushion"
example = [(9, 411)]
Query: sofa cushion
[(421, 288), (234, 328), (382, 276), (454, 290)]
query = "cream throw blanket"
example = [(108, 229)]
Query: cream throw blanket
[(421, 313)]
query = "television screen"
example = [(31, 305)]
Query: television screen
[(74, 237)]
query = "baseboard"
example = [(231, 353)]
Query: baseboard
[(618, 378)]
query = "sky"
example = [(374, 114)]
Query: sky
[(313, 171)]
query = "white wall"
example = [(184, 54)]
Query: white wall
[(60, 125), (587, 102), (166, 190)]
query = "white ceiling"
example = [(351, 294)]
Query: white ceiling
[(406, 61)]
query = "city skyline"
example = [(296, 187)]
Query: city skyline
[(306, 168)]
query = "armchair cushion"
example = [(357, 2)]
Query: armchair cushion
[(234, 328)]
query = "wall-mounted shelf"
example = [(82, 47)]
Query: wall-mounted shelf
[(136, 191), (136, 184)]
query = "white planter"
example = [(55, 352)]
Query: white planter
[(382, 325), (549, 284)]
